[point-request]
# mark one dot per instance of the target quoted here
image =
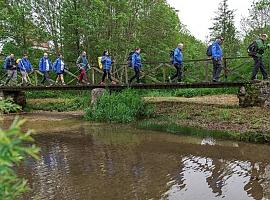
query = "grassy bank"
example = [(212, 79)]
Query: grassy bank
[(219, 121), (57, 101)]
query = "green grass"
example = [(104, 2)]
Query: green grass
[(256, 137), (123, 107), (189, 92)]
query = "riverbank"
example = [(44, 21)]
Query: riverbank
[(218, 116), (212, 115)]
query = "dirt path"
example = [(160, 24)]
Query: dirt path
[(207, 100)]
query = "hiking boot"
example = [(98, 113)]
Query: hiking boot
[(102, 83)]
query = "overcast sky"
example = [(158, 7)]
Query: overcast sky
[(197, 14)]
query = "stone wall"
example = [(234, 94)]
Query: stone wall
[(257, 94)]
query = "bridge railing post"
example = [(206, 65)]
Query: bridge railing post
[(225, 69), (206, 67)]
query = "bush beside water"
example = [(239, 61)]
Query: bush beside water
[(122, 107), (8, 106)]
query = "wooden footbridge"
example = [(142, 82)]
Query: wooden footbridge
[(154, 75)]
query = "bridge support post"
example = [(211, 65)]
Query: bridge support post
[(255, 95), (17, 96)]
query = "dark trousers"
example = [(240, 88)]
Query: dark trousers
[(105, 73), (178, 74), (46, 77), (258, 65), (217, 68), (136, 75)]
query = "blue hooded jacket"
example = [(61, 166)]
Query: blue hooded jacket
[(106, 62), (136, 61), (216, 51), (25, 65), (42, 64), (57, 66), (178, 57)]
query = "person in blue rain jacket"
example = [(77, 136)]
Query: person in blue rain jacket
[(106, 66), (59, 68), (45, 66), (217, 58), (25, 67), (136, 65)]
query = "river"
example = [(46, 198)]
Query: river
[(83, 161)]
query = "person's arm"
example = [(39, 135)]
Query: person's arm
[(177, 55), (133, 61), (215, 54)]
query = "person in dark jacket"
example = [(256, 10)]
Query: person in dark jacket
[(10, 66), (59, 68), (178, 62), (83, 64), (136, 65), (45, 66), (258, 55), (25, 67), (217, 58), (106, 66)]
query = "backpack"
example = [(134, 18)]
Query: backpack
[(129, 59), (99, 63), (252, 49), (209, 51), (5, 63), (172, 56)]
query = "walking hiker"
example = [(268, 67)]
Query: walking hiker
[(178, 63), (217, 58), (106, 65), (83, 65), (25, 67), (256, 51), (10, 66), (45, 66), (136, 64), (59, 68)]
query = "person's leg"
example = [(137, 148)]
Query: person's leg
[(80, 78), (24, 78), (255, 68), (179, 73), (263, 70), (9, 76), (62, 79), (176, 74), (109, 75), (214, 70), (104, 75), (44, 78), (219, 69), (138, 75), (133, 77), (57, 78)]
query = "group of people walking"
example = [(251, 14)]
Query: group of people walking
[(214, 51)]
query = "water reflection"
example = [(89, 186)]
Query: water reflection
[(112, 162)]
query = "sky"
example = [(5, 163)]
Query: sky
[(197, 15)]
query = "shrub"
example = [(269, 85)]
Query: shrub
[(123, 107), (12, 152), (8, 106)]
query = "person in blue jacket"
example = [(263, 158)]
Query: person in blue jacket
[(25, 67), (106, 65), (217, 58), (45, 66), (59, 68), (178, 62), (136, 65)]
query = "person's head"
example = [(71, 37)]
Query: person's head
[(12, 55), (45, 55), (25, 55), (180, 46), (138, 50), (264, 37), (84, 53), (60, 56), (105, 53), (219, 39)]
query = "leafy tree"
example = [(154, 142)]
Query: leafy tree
[(223, 24)]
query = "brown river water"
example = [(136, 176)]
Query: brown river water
[(83, 161)]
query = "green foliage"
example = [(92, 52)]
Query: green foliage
[(8, 106), (12, 152), (123, 107), (224, 25)]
